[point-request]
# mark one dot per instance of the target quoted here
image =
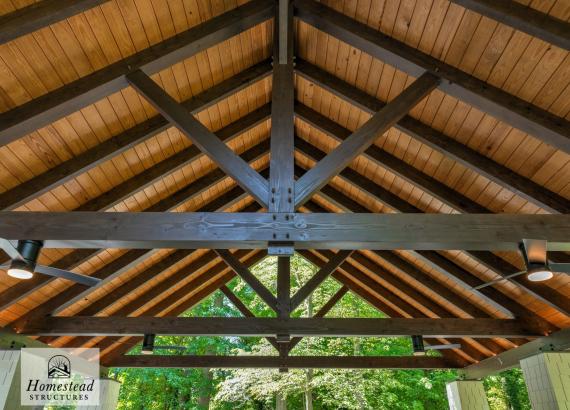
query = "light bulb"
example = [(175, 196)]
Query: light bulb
[(539, 274), (20, 270)]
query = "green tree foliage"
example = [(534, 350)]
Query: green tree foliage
[(246, 389)]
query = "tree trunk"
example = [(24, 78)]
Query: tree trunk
[(206, 390), (280, 402), (309, 391)]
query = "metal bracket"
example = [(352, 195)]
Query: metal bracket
[(281, 248)]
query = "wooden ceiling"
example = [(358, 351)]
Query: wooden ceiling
[(86, 157)]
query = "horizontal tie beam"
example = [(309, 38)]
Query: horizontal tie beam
[(266, 327), (307, 230)]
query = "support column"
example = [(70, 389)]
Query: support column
[(547, 378), (109, 396), (466, 395), (9, 379)]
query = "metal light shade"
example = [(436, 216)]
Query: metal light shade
[(418, 345), (148, 344)]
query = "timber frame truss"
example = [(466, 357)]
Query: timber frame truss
[(293, 219)]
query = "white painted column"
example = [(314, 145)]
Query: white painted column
[(547, 378), (466, 395), (9, 379), (109, 396)]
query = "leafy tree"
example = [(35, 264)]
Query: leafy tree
[(299, 389)]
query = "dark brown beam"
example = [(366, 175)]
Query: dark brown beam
[(264, 327), (202, 137), (362, 138), (318, 278), (243, 272), (523, 18), (44, 110), (505, 107), (429, 185), (244, 310), (226, 230), (281, 182), (284, 286), (448, 146), (326, 308), (38, 15), (291, 362), (116, 145)]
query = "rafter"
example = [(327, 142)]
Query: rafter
[(466, 156), (202, 137), (505, 107), (118, 144), (523, 18), (38, 15), (65, 100), (363, 137)]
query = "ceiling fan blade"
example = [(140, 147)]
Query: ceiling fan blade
[(60, 273), (534, 252), (560, 267), (443, 347), (512, 275), (10, 249)]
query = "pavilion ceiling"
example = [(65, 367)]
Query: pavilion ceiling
[(73, 139)]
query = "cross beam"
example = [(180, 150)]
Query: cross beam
[(291, 362), (267, 327), (309, 231)]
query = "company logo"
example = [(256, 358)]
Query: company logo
[(59, 367), (59, 377)]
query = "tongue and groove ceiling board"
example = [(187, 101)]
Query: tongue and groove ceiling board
[(112, 151)]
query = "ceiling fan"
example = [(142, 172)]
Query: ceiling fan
[(538, 269), (148, 346), (420, 349), (24, 259)]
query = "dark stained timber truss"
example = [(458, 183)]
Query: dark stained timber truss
[(291, 217)]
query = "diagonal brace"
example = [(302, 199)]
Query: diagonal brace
[(243, 272), (319, 278), (362, 138), (248, 178)]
